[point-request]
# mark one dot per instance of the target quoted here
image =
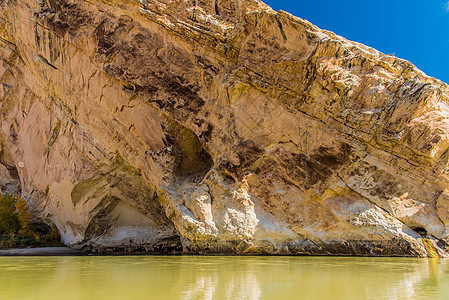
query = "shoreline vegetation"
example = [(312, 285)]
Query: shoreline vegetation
[(17, 229)]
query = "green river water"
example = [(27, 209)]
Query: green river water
[(222, 277)]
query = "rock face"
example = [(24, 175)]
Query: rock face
[(218, 127)]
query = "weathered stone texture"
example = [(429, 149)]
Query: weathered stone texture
[(217, 127)]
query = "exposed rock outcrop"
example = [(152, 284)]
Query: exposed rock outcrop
[(218, 127)]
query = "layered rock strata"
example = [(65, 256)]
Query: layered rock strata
[(218, 127)]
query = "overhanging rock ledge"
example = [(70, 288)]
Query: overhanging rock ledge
[(220, 126)]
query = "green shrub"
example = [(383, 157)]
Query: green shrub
[(16, 230), (9, 222)]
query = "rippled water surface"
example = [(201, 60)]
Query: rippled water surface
[(220, 277)]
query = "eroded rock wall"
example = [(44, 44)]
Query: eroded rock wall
[(218, 127)]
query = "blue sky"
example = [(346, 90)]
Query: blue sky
[(417, 31)]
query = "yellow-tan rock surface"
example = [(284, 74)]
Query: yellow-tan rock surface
[(217, 127)]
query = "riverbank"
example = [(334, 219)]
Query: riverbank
[(44, 251)]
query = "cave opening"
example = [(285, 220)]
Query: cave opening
[(192, 160)]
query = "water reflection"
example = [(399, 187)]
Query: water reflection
[(193, 277)]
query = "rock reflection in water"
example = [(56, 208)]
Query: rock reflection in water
[(219, 277), (195, 277)]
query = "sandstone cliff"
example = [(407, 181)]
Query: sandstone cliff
[(218, 127)]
